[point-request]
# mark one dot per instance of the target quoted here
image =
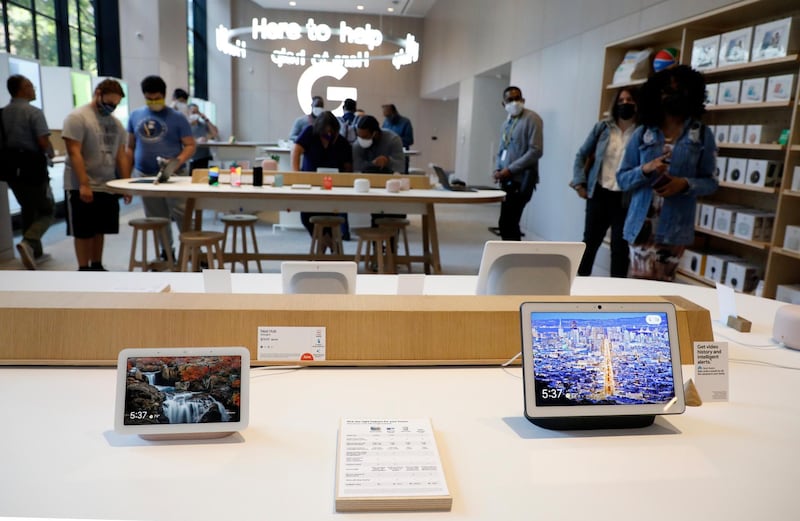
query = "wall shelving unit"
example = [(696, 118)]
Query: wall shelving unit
[(779, 266)]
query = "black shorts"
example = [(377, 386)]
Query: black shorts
[(100, 217)]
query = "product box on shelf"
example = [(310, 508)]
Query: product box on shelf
[(711, 93), (796, 179), (761, 172), (716, 264), (761, 134), (791, 239), (776, 39), (736, 135), (779, 88), (635, 65), (753, 90), (706, 213), (722, 134), (788, 293), (737, 169), (722, 165), (693, 262), (724, 218), (728, 92), (705, 52), (742, 276), (753, 225), (734, 47)]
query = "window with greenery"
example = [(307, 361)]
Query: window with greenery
[(30, 30)]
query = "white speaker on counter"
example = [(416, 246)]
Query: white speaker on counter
[(786, 328)]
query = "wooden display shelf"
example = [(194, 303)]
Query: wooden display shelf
[(632, 83), (750, 188), (791, 193), (787, 253), (751, 106), (753, 244), (773, 63), (771, 147), (795, 148), (369, 330)]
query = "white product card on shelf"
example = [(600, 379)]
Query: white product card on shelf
[(217, 281), (734, 47), (772, 40), (291, 343), (726, 296), (779, 88), (388, 458), (728, 92), (796, 179), (704, 52), (711, 371), (753, 90), (711, 93)]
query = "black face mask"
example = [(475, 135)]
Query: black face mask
[(626, 110)]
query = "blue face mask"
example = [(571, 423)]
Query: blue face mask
[(105, 109)]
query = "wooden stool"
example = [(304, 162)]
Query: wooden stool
[(398, 226), (191, 242), (318, 243), (240, 222), (157, 226), (377, 243)]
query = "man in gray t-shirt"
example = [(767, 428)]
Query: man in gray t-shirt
[(95, 154), (27, 139)]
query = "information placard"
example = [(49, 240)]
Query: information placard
[(291, 343), (711, 371)]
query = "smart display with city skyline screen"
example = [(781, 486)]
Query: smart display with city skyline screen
[(182, 391), (600, 360)]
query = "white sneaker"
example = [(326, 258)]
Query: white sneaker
[(26, 255)]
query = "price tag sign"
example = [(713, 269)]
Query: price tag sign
[(711, 371), (291, 343)]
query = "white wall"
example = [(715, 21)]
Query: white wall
[(556, 50), (153, 41), (480, 116), (220, 67)]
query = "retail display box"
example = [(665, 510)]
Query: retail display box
[(728, 92), (791, 239), (705, 52), (776, 39), (762, 134), (753, 90), (761, 172), (779, 88), (716, 264), (693, 262), (722, 165), (737, 169), (736, 135), (742, 276), (724, 218), (734, 47), (788, 293), (753, 225)]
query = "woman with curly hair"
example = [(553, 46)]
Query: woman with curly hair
[(668, 163)]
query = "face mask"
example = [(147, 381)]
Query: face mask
[(626, 110), (155, 105), (194, 118), (105, 109), (514, 108), (181, 107), (364, 143), (317, 111)]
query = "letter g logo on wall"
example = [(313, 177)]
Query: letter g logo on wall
[(305, 86)]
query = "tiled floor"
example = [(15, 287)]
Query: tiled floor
[(462, 233)]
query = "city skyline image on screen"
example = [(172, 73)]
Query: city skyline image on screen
[(597, 358)]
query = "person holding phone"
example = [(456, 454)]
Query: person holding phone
[(668, 163)]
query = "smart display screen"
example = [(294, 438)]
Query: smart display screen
[(182, 390), (601, 358)]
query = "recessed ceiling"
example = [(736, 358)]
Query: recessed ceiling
[(414, 8)]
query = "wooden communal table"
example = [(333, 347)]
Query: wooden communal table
[(339, 199)]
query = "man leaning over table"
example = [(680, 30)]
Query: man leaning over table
[(154, 131), (95, 143)]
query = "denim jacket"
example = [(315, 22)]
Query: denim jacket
[(693, 157), (597, 138)]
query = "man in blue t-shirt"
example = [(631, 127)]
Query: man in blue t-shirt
[(159, 131)]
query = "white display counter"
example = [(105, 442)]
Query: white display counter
[(727, 461)]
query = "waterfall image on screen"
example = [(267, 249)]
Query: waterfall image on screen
[(182, 389), (599, 358)]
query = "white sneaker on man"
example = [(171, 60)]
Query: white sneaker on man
[(26, 255)]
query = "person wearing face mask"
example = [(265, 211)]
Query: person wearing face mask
[(300, 124), (377, 150), (517, 166), (321, 146), (154, 131), (95, 142), (668, 163), (27, 150), (595, 179), (180, 102)]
